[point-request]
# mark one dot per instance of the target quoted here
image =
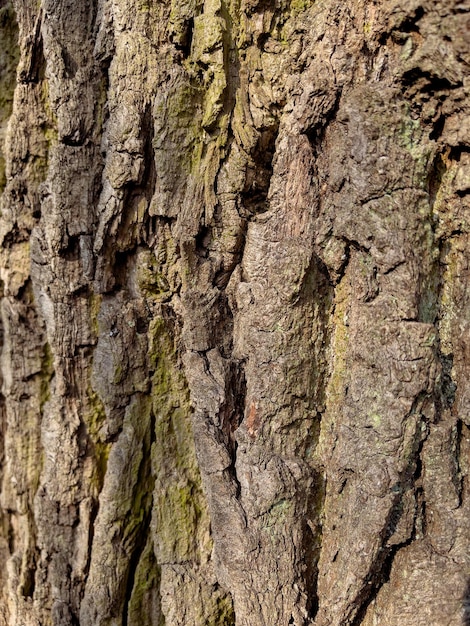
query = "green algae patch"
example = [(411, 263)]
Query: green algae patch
[(94, 418), (3, 179), (448, 309), (178, 128), (276, 516), (94, 309), (208, 63), (182, 520), (376, 420), (49, 128), (9, 57), (410, 138), (144, 604), (150, 278), (223, 614), (339, 350), (299, 6)]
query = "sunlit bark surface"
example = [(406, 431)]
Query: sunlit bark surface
[(235, 313)]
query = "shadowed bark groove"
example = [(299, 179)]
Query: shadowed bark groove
[(235, 340)]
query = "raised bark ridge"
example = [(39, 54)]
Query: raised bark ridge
[(234, 315)]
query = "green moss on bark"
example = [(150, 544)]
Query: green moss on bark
[(224, 614), (144, 604), (94, 419), (9, 57), (182, 517)]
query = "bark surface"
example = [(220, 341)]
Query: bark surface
[(235, 313)]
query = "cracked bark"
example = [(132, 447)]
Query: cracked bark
[(234, 313)]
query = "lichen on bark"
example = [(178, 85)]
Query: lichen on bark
[(234, 313)]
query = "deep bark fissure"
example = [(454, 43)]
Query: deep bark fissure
[(133, 563), (254, 197)]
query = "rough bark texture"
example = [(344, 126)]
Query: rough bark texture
[(235, 313)]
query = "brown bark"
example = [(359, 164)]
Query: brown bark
[(235, 316)]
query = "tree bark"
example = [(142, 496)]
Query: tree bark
[(235, 313)]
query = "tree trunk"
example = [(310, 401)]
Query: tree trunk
[(235, 313)]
